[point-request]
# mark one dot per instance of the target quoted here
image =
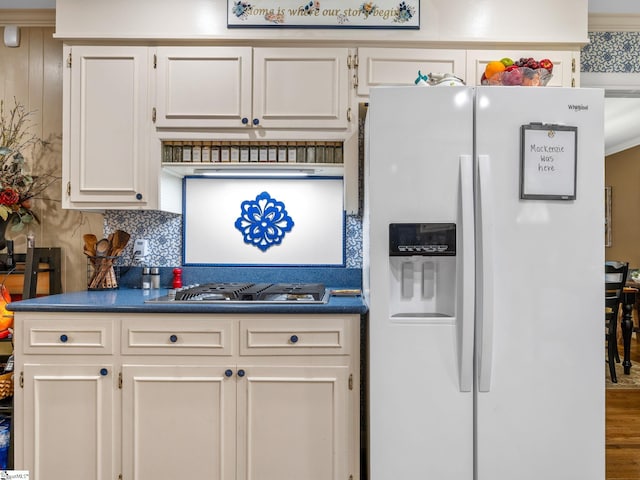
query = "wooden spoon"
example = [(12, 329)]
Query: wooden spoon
[(102, 265), (102, 247), (119, 241), (90, 241)]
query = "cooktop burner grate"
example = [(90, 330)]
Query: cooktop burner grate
[(249, 292)]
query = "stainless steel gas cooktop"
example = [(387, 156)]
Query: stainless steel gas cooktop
[(238, 292)]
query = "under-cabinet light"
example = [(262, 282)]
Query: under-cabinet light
[(246, 172)]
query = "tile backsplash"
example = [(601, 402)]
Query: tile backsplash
[(164, 232)]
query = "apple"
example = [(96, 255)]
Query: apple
[(546, 64)]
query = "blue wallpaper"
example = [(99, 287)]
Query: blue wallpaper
[(616, 52)]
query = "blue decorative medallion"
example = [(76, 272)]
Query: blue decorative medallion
[(263, 221)]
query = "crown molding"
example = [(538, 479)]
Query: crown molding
[(598, 22), (28, 17), (610, 22)]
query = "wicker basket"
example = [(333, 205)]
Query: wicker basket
[(6, 385)]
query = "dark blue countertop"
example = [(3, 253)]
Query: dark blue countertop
[(130, 299)]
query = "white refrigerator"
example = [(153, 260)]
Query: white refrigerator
[(483, 273)]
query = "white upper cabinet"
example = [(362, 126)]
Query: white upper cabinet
[(563, 64), (231, 87), (203, 86), (400, 66), (300, 88), (105, 127)]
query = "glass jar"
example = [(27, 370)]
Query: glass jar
[(177, 152), (272, 152), (301, 152), (311, 153), (235, 153), (338, 153), (254, 153), (282, 152), (225, 152), (186, 153), (167, 152), (244, 152), (206, 153), (320, 148), (196, 152), (292, 152), (263, 153), (328, 152)]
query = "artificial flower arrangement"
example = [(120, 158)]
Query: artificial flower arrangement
[(17, 186)]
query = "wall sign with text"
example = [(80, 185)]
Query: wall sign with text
[(548, 156), (324, 13)]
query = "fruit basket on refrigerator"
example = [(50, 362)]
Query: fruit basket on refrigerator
[(525, 72)]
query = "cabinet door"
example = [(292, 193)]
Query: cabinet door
[(293, 423), (300, 87), (563, 64), (68, 422), (106, 128), (203, 86), (400, 66), (178, 422)]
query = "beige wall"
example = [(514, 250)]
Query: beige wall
[(622, 173), (32, 73)]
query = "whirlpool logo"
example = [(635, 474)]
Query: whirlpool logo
[(578, 108)]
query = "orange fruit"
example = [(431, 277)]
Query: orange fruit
[(493, 67)]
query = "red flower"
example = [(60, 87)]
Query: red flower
[(9, 196)]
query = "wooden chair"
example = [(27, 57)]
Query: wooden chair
[(41, 260), (34, 273), (615, 279)]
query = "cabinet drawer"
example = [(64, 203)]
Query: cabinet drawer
[(68, 337), (203, 336), (295, 336)]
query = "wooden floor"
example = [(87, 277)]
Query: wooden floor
[(623, 429)]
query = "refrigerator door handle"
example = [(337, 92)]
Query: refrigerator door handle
[(486, 295), (467, 275)]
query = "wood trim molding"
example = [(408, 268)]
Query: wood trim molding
[(28, 17), (609, 22), (598, 22)]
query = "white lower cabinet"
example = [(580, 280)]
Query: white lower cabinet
[(293, 423), (65, 424), (223, 397), (178, 422)]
